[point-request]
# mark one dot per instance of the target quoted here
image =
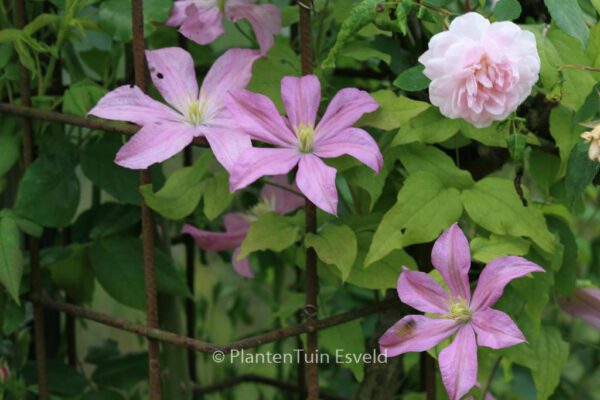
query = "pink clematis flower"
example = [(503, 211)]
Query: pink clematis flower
[(273, 199), (167, 130), (480, 72), (202, 20), (585, 304), (457, 312), (299, 141)]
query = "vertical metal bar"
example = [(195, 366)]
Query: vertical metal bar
[(190, 269), (312, 282), (139, 64), (32, 242)]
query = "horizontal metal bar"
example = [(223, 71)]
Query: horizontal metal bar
[(253, 378), (205, 347), (75, 120)]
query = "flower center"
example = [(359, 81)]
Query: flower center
[(460, 311), (305, 134), (266, 205)]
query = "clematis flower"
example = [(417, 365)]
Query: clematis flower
[(192, 113), (480, 72), (202, 20), (585, 304), (593, 138), (273, 199), (457, 312), (299, 140)]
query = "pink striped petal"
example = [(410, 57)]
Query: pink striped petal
[(257, 116), (301, 98), (255, 163), (415, 333), (231, 71), (451, 256), (264, 18), (180, 11), (153, 144), (354, 142), (317, 181), (496, 275), (242, 266), (458, 363), (129, 103), (585, 304), (346, 107), (236, 221), (496, 329), (215, 241), (227, 144), (203, 25), (422, 292), (173, 74), (285, 201)]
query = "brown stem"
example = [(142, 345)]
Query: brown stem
[(139, 65), (32, 242), (518, 187), (468, 5)]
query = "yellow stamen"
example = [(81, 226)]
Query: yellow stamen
[(460, 311), (196, 112), (305, 134)]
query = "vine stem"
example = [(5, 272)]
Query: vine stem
[(33, 243), (312, 282)]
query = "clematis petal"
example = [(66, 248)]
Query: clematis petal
[(346, 107), (415, 333), (496, 329), (317, 181), (153, 144), (451, 256), (242, 266), (301, 97), (352, 141), (264, 18), (236, 221), (180, 11), (257, 116), (203, 25), (255, 163), (129, 103), (285, 201), (422, 292), (215, 241), (496, 275), (227, 144), (173, 74), (458, 363), (231, 71), (585, 304)]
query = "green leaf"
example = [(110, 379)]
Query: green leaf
[(118, 264), (360, 16), (393, 112), (11, 258), (270, 231), (412, 79), (424, 208), (543, 167), (517, 144), (336, 245), (115, 17), (569, 17), (546, 356), (103, 395), (25, 225), (507, 10), (485, 250), (566, 276), (565, 133), (74, 274), (81, 97), (49, 192), (97, 163), (428, 127), (419, 157), (493, 135), (494, 204), (217, 196), (122, 372), (580, 172), (9, 145), (181, 192), (352, 345)]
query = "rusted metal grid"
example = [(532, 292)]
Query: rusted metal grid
[(151, 331)]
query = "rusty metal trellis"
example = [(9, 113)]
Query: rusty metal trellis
[(151, 331)]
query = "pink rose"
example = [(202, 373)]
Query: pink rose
[(480, 72)]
